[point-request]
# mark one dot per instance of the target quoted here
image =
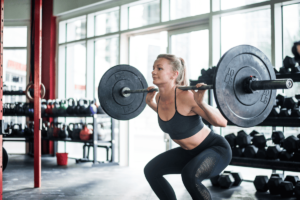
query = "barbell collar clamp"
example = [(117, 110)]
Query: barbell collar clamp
[(272, 84)]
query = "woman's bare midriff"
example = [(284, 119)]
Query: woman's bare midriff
[(193, 141)]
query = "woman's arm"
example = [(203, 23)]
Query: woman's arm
[(150, 99), (212, 115)]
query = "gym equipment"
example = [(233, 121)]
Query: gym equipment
[(273, 152), (4, 159), (231, 138), (261, 183), (237, 152), (290, 64), (214, 181), (292, 179), (297, 190), (43, 106), (62, 110), (261, 153), (260, 141), (244, 88), (274, 184), (91, 109), (291, 144), (27, 91), (290, 102), (296, 51), (63, 133), (243, 139), (250, 151), (85, 133), (285, 156), (284, 112), (286, 189), (72, 106), (228, 179)]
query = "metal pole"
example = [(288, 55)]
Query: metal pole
[(95, 138), (1, 95), (37, 92)]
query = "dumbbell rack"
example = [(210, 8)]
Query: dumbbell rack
[(270, 121), (95, 143)]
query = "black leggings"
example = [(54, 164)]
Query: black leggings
[(205, 161)]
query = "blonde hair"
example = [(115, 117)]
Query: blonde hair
[(178, 64)]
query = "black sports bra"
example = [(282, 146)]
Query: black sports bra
[(180, 126)]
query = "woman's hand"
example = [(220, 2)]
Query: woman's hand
[(199, 95), (150, 96)]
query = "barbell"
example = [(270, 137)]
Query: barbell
[(244, 88)]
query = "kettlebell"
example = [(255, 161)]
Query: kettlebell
[(71, 110), (12, 108), (70, 130), (100, 131), (91, 108), (63, 133), (19, 110), (49, 107), (82, 106), (76, 131), (50, 130), (28, 131), (5, 109), (85, 133), (28, 109), (17, 130), (44, 129), (63, 107), (56, 129), (55, 109), (43, 106)]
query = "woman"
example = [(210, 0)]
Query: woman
[(203, 153)]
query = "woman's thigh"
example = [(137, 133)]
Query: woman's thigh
[(207, 164), (169, 162)]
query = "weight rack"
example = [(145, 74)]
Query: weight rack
[(270, 121)]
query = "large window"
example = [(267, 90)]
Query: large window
[(253, 28), (148, 140), (227, 4), (14, 74), (187, 8), (84, 56)]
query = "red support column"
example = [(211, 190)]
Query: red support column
[(48, 54), (37, 91), (1, 92)]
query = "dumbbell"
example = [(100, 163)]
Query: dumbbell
[(287, 187), (289, 64), (279, 102), (227, 179), (243, 140), (290, 144), (290, 153), (261, 183), (260, 142)]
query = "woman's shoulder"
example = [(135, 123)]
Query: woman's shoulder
[(157, 96), (185, 95)]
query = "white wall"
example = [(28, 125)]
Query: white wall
[(17, 9)]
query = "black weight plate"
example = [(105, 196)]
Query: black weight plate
[(4, 159), (109, 92), (243, 109)]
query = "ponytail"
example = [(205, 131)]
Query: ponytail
[(178, 64)]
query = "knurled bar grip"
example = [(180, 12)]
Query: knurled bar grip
[(272, 84), (139, 91), (204, 87)]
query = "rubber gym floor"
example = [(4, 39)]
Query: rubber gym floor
[(82, 181)]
